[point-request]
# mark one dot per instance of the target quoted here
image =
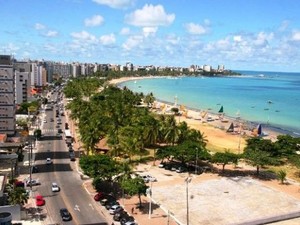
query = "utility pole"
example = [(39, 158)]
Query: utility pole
[(150, 202), (187, 181)]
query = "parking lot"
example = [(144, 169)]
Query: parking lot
[(218, 200)]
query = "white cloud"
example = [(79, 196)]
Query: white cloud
[(39, 26), (83, 35), (116, 4), (198, 29), (150, 16), (296, 36), (237, 38), (125, 31), (108, 39), (96, 20), (51, 33), (132, 42), (263, 39), (149, 31)]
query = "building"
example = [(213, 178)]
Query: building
[(22, 87), (7, 96)]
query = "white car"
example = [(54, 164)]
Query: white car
[(45, 121), (55, 187), (148, 178), (115, 209), (32, 182), (48, 161)]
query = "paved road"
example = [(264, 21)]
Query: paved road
[(72, 196)]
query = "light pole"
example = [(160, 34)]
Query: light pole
[(150, 202), (187, 181), (196, 167)]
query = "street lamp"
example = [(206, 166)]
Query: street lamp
[(196, 167), (187, 181), (150, 202)]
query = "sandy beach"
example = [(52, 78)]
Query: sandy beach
[(215, 131)]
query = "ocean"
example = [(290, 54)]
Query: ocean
[(268, 98)]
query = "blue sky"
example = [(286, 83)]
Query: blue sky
[(240, 34)]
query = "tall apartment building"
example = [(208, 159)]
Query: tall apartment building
[(7, 96), (22, 87)]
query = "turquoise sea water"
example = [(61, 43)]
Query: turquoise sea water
[(269, 98)]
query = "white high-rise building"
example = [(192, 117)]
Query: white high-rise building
[(7, 96), (22, 87)]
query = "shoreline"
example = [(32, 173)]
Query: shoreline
[(215, 130)]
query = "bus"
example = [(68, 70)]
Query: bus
[(68, 136)]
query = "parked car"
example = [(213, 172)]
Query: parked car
[(48, 161), (115, 208), (19, 183), (33, 182), (147, 178), (39, 200), (131, 223), (111, 203), (106, 199), (126, 219), (181, 169), (55, 187), (119, 215), (162, 165), (59, 130), (99, 196), (65, 214)]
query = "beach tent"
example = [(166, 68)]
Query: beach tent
[(231, 128)]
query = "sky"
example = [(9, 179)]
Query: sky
[(262, 35)]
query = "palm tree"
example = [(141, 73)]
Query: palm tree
[(281, 175), (172, 131)]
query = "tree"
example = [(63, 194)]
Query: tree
[(16, 195), (171, 130), (135, 186), (101, 166), (281, 175), (260, 152), (225, 158)]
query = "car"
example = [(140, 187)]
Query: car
[(27, 147), (48, 161), (19, 183), (106, 199), (162, 165), (119, 215), (65, 214), (111, 203), (35, 169), (115, 208), (149, 178), (126, 219), (99, 196), (57, 126), (33, 182), (181, 169), (51, 120), (39, 200), (45, 121), (59, 130), (130, 223), (55, 187), (72, 156)]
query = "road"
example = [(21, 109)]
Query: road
[(72, 195)]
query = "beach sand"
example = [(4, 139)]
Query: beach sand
[(214, 131)]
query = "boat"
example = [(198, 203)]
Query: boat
[(221, 110), (230, 128)]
